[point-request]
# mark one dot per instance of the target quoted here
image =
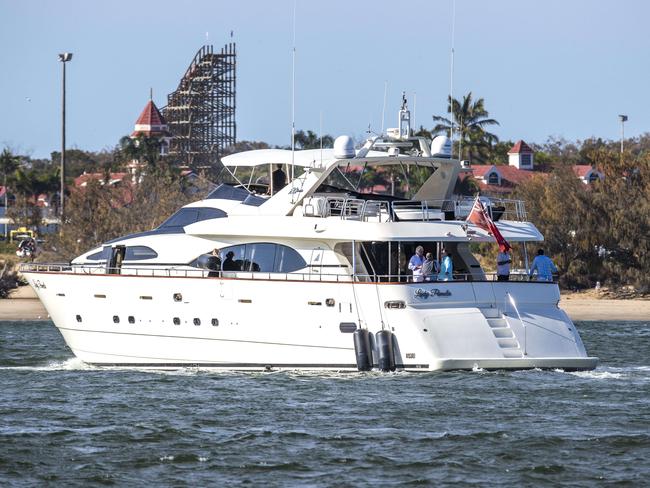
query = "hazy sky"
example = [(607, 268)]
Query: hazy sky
[(562, 68)]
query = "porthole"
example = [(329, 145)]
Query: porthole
[(177, 321), (116, 319), (78, 318), (215, 322), (131, 319), (178, 297), (197, 321)]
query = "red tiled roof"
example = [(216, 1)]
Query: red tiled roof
[(581, 170), (520, 147), (481, 170), (151, 122), (514, 175), (81, 180), (150, 115)]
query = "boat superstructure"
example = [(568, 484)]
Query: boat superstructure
[(314, 276)]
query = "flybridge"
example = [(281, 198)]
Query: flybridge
[(409, 210)]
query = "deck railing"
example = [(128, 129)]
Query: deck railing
[(414, 210), (186, 272)]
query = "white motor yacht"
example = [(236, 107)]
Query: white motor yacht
[(315, 276)]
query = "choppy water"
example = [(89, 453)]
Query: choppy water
[(63, 423)]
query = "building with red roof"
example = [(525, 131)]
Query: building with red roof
[(504, 179), (521, 156)]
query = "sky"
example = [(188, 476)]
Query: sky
[(560, 68)]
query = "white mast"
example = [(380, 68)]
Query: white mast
[(293, 91), (451, 76)]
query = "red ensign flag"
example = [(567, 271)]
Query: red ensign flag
[(480, 218)]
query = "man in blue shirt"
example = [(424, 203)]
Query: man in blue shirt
[(544, 266), (446, 267)]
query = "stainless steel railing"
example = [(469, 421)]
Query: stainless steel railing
[(417, 210), (186, 272)]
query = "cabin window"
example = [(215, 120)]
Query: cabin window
[(261, 257), (137, 253), (287, 260), (187, 216), (102, 255)]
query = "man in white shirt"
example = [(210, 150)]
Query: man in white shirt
[(415, 264), (503, 264)]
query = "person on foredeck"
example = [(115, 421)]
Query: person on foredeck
[(544, 267), (415, 264), (503, 264), (278, 179), (430, 267), (446, 267)]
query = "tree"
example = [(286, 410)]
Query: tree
[(310, 140), (8, 165), (29, 184), (469, 123), (146, 149)]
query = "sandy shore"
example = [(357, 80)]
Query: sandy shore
[(23, 305)]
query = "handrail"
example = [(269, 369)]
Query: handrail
[(418, 210), (187, 272)]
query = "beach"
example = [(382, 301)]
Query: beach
[(23, 305)]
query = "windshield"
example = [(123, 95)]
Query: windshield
[(400, 180)]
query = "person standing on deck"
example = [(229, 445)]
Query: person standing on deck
[(544, 267), (446, 267), (503, 264), (430, 268), (415, 264)]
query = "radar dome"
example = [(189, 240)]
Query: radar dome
[(344, 147), (441, 147)]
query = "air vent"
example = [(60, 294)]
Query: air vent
[(145, 297), (197, 321), (178, 297), (116, 319), (100, 296), (177, 321), (215, 322), (395, 304), (78, 318), (131, 319)]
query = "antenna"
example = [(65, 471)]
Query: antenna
[(383, 110), (415, 100), (321, 137), (293, 92), (451, 76)]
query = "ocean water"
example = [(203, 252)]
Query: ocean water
[(66, 424)]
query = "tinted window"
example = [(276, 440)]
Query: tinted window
[(233, 258), (287, 260), (260, 257), (136, 253), (187, 216), (101, 255)]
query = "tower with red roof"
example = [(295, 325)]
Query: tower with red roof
[(151, 123), (521, 156)]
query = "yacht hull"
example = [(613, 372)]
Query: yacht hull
[(275, 322)]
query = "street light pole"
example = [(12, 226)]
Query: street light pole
[(64, 58)]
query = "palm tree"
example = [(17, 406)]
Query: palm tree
[(8, 165), (469, 122)]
